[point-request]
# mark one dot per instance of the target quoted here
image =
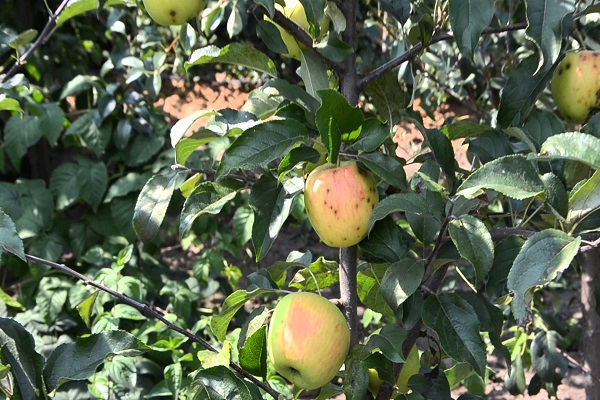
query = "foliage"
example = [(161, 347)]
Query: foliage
[(97, 182)]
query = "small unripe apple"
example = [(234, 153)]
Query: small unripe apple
[(308, 339), (294, 10), (173, 12), (576, 85), (339, 202)]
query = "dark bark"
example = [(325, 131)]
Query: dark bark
[(590, 336)]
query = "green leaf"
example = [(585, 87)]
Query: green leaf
[(93, 181), (540, 125), (253, 355), (152, 203), (457, 325), (575, 146), (372, 135), (20, 133), (86, 308), (545, 27), (401, 280), (272, 204), (385, 242), (474, 243), (505, 253), (296, 156), (515, 380), (335, 119), (314, 73), (409, 201), (385, 166), (468, 18), (235, 53), (545, 255), (389, 97), (209, 358), (51, 297), (389, 340), (463, 129), (78, 7), (18, 350), (318, 275), (182, 126), (8, 104), (546, 359), (64, 185), (91, 135), (442, 150), (9, 238), (584, 199), (356, 376), (399, 9), (521, 91), (79, 360), (207, 198), (369, 289), (262, 144), (293, 93), (221, 383), (231, 305), (557, 198), (513, 176)]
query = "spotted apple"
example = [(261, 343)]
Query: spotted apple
[(576, 85), (339, 202), (173, 12), (308, 339)]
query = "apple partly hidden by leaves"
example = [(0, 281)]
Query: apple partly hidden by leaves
[(294, 10), (339, 202), (576, 85), (308, 339), (173, 12)]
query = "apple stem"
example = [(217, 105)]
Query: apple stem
[(348, 290)]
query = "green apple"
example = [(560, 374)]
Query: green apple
[(173, 12), (576, 85), (308, 339), (339, 202), (294, 10), (411, 367)]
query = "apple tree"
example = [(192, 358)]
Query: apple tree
[(455, 263)]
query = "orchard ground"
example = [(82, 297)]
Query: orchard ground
[(225, 92)]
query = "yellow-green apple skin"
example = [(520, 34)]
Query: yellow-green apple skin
[(339, 202), (173, 12), (576, 85), (308, 339), (294, 10), (411, 367)]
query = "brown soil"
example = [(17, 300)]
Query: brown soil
[(225, 93)]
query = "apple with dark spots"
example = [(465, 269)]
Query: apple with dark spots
[(308, 339), (173, 12), (576, 85), (339, 202)]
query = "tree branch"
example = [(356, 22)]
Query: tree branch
[(151, 313), (42, 38), (348, 290), (416, 49)]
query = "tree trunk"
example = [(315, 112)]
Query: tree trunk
[(590, 338)]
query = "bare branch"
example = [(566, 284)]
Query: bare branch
[(150, 312), (42, 39)]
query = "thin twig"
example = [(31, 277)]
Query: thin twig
[(42, 38), (150, 312)]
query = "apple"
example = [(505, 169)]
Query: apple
[(173, 12), (308, 339), (576, 85), (294, 10), (339, 202)]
